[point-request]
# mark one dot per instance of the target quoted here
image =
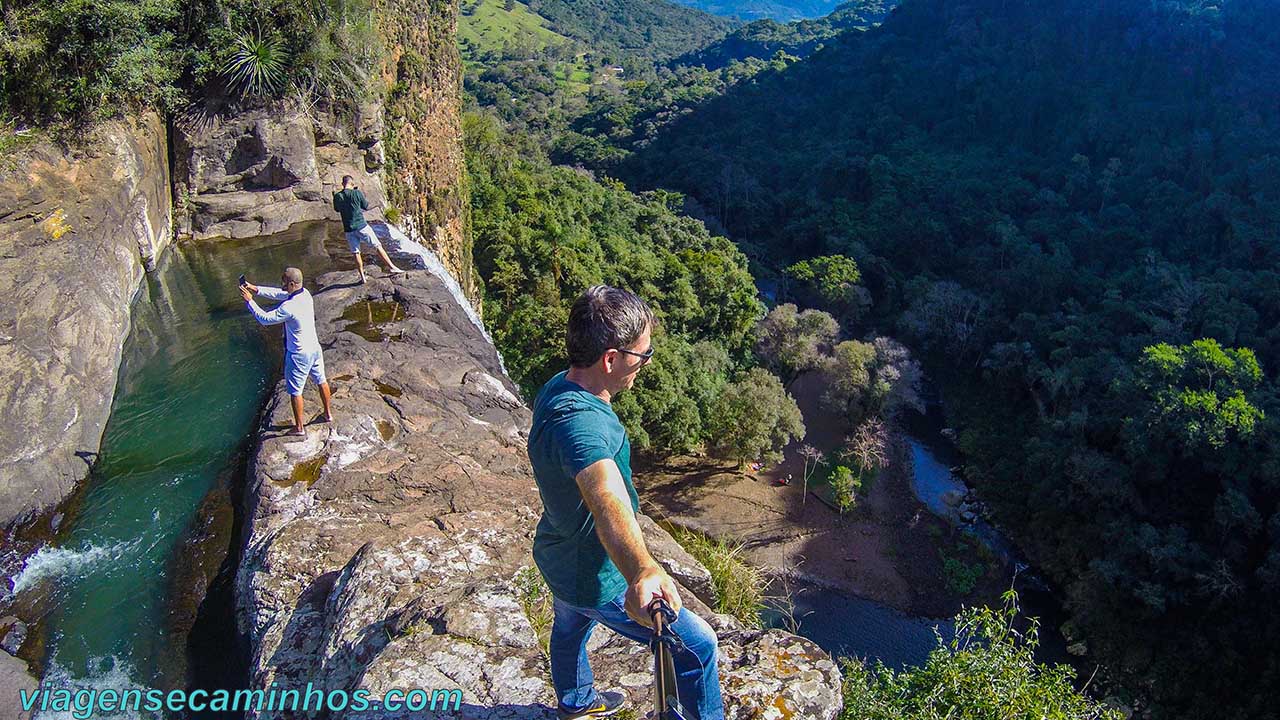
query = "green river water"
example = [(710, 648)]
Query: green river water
[(112, 589)]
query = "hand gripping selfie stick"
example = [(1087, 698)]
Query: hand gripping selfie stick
[(664, 669)]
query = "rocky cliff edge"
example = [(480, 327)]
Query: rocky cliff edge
[(392, 548)]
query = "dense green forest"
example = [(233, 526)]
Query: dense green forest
[(1071, 209), (76, 61), (600, 123), (543, 234), (646, 28)]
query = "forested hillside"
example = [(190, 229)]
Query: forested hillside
[(1072, 208), (648, 28), (763, 38)]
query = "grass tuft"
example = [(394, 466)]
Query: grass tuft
[(739, 587)]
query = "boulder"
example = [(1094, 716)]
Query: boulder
[(952, 498), (14, 678), (13, 632)]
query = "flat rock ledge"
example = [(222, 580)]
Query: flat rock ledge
[(392, 549)]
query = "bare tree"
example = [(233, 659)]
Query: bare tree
[(868, 446), (812, 459)]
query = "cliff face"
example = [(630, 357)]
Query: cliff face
[(392, 548), (77, 231), (426, 173), (258, 171)]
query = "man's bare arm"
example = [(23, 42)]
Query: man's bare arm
[(605, 494)]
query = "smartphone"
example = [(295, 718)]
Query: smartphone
[(243, 282)]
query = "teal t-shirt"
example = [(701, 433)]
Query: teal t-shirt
[(350, 204), (571, 430)]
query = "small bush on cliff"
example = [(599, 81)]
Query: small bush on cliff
[(324, 49), (82, 59), (988, 672), (535, 600), (256, 66)]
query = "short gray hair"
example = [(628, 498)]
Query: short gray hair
[(292, 275), (604, 317)]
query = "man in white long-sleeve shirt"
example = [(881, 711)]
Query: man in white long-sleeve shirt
[(302, 355)]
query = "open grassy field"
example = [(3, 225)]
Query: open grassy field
[(488, 26)]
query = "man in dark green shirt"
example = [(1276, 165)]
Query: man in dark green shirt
[(351, 204), (588, 544)]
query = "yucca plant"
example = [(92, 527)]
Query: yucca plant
[(257, 63)]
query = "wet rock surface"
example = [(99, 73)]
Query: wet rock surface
[(397, 562), (78, 228)]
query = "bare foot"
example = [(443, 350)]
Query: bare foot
[(297, 432)]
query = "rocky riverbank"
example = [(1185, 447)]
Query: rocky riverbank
[(387, 550)]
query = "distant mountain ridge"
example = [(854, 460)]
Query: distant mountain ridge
[(780, 10), (654, 29), (762, 38)]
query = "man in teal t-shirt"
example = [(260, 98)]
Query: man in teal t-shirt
[(588, 544), (351, 204)]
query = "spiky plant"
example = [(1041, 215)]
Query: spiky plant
[(257, 63)]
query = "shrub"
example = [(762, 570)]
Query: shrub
[(987, 672), (844, 488)]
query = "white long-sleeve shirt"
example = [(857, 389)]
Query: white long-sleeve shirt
[(297, 312)]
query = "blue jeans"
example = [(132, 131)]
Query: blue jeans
[(697, 677)]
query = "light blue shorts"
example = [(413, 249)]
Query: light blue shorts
[(297, 366), (363, 235)]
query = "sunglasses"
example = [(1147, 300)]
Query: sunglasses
[(644, 356)]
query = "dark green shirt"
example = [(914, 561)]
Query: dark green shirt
[(349, 204), (571, 430)]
